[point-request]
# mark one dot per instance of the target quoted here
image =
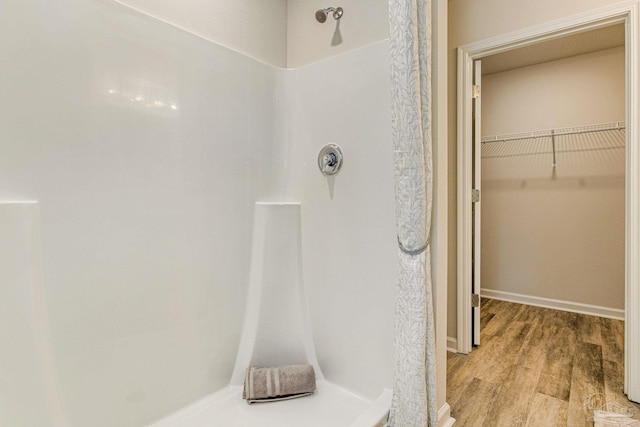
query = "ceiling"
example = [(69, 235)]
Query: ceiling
[(564, 47)]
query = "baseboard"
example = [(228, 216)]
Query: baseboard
[(444, 416), (574, 307), (452, 344)]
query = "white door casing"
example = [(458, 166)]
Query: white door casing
[(477, 200), (627, 12)]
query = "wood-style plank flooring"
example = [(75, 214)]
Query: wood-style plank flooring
[(535, 367)]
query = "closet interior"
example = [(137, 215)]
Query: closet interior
[(553, 182)]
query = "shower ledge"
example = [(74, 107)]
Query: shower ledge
[(330, 406)]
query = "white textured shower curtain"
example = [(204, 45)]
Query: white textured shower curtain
[(414, 389)]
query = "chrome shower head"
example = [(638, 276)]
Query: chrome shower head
[(321, 15)]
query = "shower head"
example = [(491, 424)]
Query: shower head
[(321, 15)]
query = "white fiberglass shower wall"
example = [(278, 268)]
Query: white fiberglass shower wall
[(133, 154)]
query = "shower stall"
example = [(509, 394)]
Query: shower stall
[(164, 224)]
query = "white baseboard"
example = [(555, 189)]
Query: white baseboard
[(574, 307), (452, 344), (444, 416)]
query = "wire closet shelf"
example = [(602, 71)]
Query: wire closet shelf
[(606, 136)]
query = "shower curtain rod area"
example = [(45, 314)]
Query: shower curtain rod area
[(576, 130)]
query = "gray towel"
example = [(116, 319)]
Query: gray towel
[(278, 383)]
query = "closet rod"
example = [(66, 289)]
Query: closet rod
[(555, 132)]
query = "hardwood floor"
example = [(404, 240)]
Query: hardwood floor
[(535, 367)]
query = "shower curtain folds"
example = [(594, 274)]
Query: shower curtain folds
[(414, 391)]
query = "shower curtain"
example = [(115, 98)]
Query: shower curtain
[(414, 390)]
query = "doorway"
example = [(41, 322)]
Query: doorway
[(627, 15), (553, 175)]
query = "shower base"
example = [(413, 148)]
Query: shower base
[(330, 406)]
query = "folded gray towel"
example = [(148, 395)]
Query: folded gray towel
[(278, 383)]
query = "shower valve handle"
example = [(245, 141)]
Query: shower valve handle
[(330, 159)]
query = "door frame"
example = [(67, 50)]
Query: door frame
[(627, 12)]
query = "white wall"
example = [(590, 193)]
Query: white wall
[(279, 32), (254, 28), (471, 21), (29, 396), (350, 257), (363, 22), (145, 210), (559, 236)]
